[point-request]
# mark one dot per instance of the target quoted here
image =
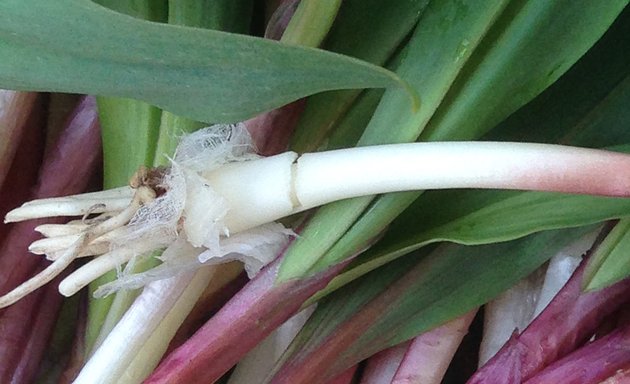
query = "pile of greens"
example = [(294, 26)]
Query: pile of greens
[(384, 287)]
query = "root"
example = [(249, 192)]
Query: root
[(44, 276), (142, 195), (99, 266)]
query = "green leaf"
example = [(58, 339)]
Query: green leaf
[(386, 208), (413, 295), (610, 262), (234, 15), (155, 10), (202, 74), (429, 64), (382, 26), (528, 49), (311, 22), (130, 131)]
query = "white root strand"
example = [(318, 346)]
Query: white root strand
[(101, 265), (57, 230), (44, 276), (76, 205), (53, 245)]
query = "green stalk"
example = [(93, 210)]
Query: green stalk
[(194, 13), (130, 131), (311, 22), (610, 262), (124, 150)]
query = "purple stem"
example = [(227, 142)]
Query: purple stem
[(20, 179), (430, 354), (249, 317), (346, 377), (15, 111), (45, 315), (15, 321), (423, 360), (622, 376), (590, 364), (66, 169), (272, 130), (280, 19), (567, 322)]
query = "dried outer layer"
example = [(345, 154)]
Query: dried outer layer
[(567, 322), (592, 363)]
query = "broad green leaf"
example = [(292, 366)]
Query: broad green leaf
[(579, 109), (382, 26), (610, 262), (413, 295), (385, 209), (201, 74)]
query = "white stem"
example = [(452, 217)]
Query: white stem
[(430, 354), (287, 184), (113, 357), (156, 345)]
